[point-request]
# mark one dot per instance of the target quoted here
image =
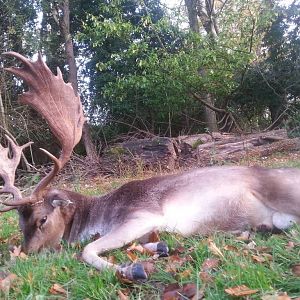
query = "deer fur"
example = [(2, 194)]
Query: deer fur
[(200, 201)]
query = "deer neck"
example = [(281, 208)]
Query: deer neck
[(85, 220)]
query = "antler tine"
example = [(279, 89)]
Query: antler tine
[(57, 103), (7, 209), (8, 168)]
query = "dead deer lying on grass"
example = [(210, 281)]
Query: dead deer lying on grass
[(200, 201)]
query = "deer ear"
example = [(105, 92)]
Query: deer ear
[(61, 202)]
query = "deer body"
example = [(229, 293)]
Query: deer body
[(200, 201)]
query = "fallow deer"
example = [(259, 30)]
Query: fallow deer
[(200, 201)]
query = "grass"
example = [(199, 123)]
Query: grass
[(239, 264)]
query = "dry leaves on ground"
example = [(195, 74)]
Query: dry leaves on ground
[(244, 236), (123, 294), (133, 257), (290, 245), (7, 281), (174, 262), (296, 270), (214, 249), (137, 248), (57, 289), (262, 258), (154, 237), (17, 253), (240, 291), (187, 291), (230, 248), (207, 266)]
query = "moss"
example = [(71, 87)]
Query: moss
[(196, 144), (116, 151)]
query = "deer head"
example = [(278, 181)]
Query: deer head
[(60, 106)]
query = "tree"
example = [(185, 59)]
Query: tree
[(17, 27), (234, 25), (205, 10), (270, 88), (61, 14), (121, 36)]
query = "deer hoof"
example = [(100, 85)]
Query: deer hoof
[(162, 249), (159, 248), (133, 272), (264, 229)]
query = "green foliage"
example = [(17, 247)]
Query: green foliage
[(139, 68), (145, 70), (272, 86)]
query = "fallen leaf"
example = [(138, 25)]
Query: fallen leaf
[(296, 270), (57, 289), (264, 257), (136, 247), (175, 292), (244, 236), (154, 237), (210, 263), (258, 259), (290, 245), (16, 252), (141, 249), (186, 273), (267, 256), (132, 256), (214, 249), (174, 262), (5, 283), (230, 248), (206, 277), (122, 296), (179, 250), (239, 291), (264, 249)]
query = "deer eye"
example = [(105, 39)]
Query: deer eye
[(43, 221)]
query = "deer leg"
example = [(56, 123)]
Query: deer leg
[(161, 248), (283, 221), (124, 234)]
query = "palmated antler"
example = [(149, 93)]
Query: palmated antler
[(58, 104), (8, 166)]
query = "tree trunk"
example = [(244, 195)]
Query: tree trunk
[(61, 14), (195, 8), (210, 116), (2, 113), (191, 6)]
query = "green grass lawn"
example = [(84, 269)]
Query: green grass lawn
[(262, 262)]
